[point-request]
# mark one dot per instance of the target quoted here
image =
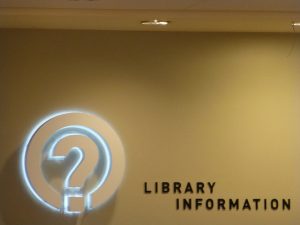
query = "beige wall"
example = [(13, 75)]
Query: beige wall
[(188, 107)]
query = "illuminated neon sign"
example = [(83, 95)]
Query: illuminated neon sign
[(89, 178)]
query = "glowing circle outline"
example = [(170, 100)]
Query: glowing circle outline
[(24, 149)]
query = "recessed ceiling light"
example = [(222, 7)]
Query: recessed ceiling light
[(155, 22)]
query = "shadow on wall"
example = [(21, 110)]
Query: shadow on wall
[(18, 207)]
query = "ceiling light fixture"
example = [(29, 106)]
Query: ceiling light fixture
[(155, 22), (296, 23)]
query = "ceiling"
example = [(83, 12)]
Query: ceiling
[(185, 15), (202, 5)]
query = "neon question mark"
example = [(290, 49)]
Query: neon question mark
[(89, 146), (99, 151)]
